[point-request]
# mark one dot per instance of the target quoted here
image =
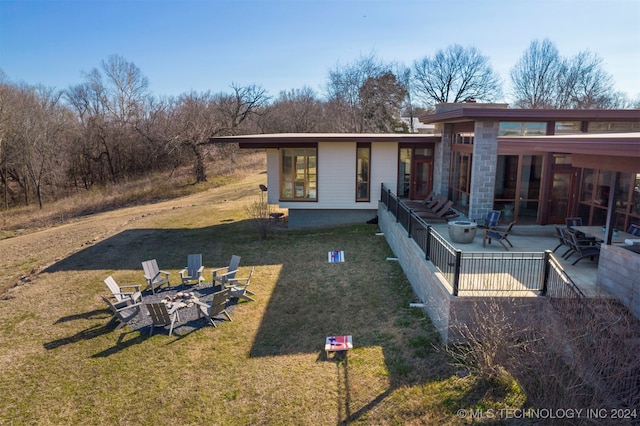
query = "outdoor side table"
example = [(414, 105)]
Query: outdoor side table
[(338, 344)]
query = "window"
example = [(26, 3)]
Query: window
[(299, 174), (522, 129), (363, 171)]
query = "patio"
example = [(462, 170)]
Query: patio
[(535, 238)]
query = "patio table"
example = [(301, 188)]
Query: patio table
[(598, 234)]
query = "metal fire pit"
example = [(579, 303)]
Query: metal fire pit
[(462, 231)]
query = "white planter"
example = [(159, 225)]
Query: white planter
[(462, 231)]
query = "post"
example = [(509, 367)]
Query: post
[(545, 273), (456, 272), (427, 250)]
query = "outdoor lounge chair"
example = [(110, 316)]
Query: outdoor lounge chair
[(222, 275), (583, 248), (218, 307), (491, 222), (154, 276), (123, 297), (634, 230), (193, 271), (160, 316), (562, 240), (444, 213), (122, 314), (499, 236), (238, 287)]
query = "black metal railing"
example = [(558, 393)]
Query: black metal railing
[(474, 273)]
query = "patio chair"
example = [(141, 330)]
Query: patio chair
[(583, 248), (154, 276), (634, 230), (218, 307), (444, 213), (491, 222), (193, 271), (499, 236), (222, 275), (160, 316), (573, 221), (238, 287), (123, 314), (123, 297), (562, 241)]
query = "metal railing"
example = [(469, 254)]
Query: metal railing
[(475, 273)]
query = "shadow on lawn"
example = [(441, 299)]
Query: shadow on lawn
[(170, 247), (312, 298)]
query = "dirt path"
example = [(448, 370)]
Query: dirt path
[(23, 257)]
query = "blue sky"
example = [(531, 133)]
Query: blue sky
[(201, 45)]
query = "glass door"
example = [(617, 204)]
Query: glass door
[(560, 196), (422, 178)]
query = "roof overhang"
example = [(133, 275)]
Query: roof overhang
[(279, 140), (606, 151), (531, 115)]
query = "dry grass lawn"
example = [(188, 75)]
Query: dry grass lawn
[(61, 365)]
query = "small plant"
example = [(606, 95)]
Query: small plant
[(259, 211)]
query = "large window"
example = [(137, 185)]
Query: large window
[(460, 180), (517, 190), (363, 171), (594, 198), (299, 180)]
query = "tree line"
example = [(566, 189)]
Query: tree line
[(109, 127)]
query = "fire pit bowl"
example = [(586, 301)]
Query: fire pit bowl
[(462, 231)]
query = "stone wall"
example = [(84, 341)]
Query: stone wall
[(483, 174), (619, 273)]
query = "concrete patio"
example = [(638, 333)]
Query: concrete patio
[(536, 238)]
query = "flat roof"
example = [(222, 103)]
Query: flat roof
[(601, 144), (463, 114), (275, 140)]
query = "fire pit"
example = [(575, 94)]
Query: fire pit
[(180, 300), (462, 231)]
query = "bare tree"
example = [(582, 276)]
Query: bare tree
[(455, 74), (295, 111), (242, 104), (543, 79), (343, 91), (535, 76), (381, 100), (110, 104)]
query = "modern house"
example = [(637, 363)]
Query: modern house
[(536, 166)]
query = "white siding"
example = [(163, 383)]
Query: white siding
[(384, 168), (337, 175)]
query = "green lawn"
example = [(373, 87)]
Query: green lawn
[(61, 365)]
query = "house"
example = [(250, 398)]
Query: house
[(536, 166), (325, 179)]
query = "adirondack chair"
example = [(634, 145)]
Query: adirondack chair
[(238, 287), (122, 314), (193, 271), (222, 275), (154, 276), (218, 307), (123, 297), (499, 236), (161, 317), (491, 222)]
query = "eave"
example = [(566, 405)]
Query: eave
[(531, 115), (278, 140)]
